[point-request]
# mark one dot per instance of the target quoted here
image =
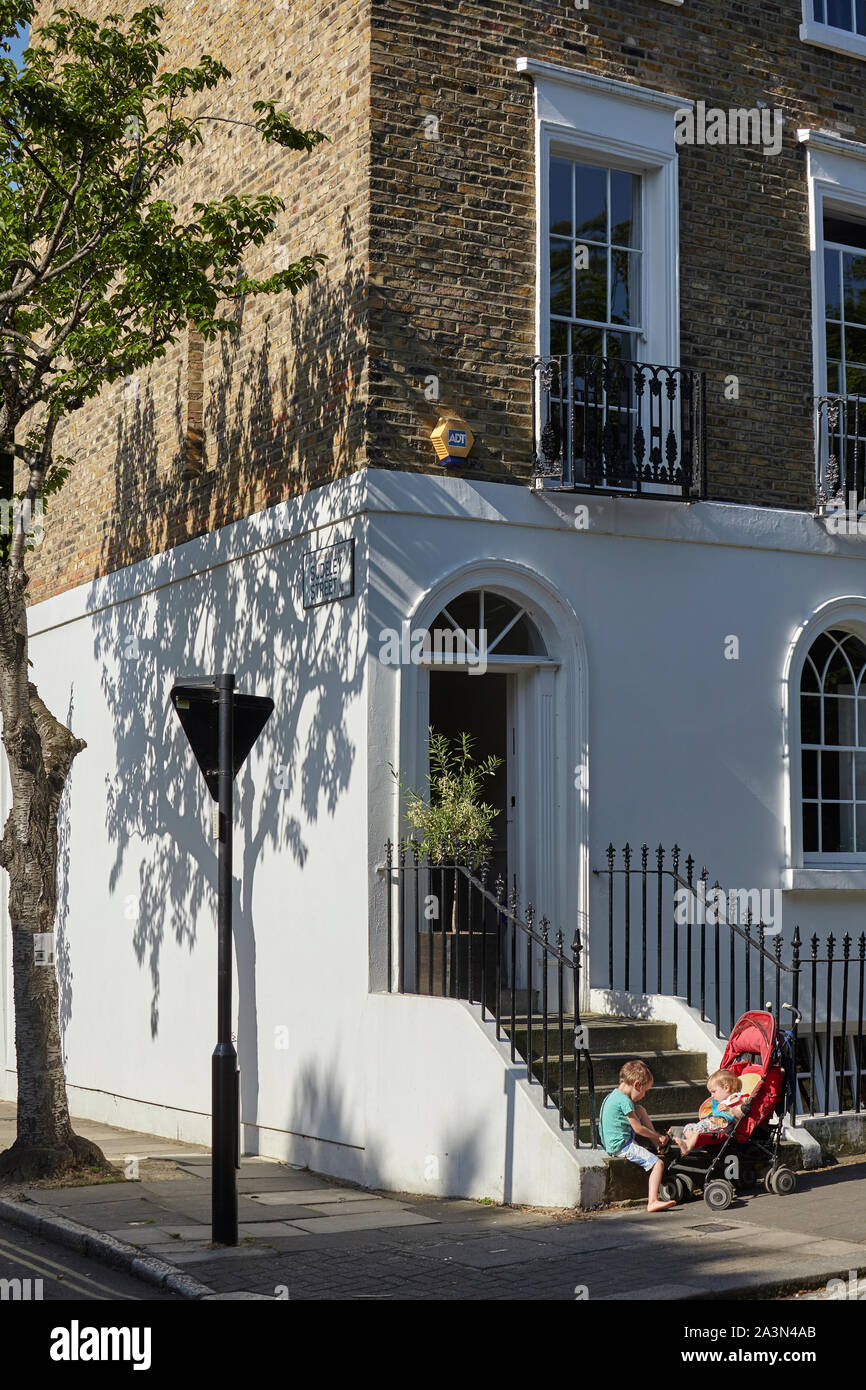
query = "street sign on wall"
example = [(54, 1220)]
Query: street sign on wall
[(329, 573)]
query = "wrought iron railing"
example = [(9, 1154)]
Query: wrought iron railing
[(840, 480), (832, 1069), (602, 424), (670, 933), (452, 934), (693, 933)]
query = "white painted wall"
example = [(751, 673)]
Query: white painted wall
[(682, 744)]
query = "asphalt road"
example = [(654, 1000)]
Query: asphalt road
[(66, 1276)]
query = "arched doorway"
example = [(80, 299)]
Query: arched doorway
[(479, 647), (523, 695)]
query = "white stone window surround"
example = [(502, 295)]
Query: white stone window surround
[(827, 36), (836, 170), (814, 872), (598, 120)]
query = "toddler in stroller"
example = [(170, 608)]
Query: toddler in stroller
[(736, 1157), (719, 1113)]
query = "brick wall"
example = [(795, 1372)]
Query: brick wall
[(284, 406), (432, 257), (453, 220)]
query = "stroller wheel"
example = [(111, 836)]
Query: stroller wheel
[(671, 1190), (785, 1182), (687, 1184), (718, 1194)]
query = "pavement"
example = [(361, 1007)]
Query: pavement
[(305, 1236)]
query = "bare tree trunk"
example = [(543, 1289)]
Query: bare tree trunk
[(40, 752)]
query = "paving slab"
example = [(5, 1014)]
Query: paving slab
[(287, 1195), (336, 1225), (266, 1230), (143, 1235), (355, 1208), (197, 1209), (84, 1196), (189, 1188), (836, 1250)]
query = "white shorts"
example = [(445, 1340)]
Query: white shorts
[(636, 1153)]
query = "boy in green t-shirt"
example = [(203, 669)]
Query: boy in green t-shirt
[(621, 1119)]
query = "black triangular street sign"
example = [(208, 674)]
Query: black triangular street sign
[(197, 708)]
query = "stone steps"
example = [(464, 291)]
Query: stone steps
[(679, 1076), (625, 1038), (668, 1067)]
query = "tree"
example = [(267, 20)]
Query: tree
[(451, 817), (99, 275)]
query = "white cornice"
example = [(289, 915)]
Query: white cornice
[(626, 91), (835, 144)]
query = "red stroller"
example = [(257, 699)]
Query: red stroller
[(727, 1162)]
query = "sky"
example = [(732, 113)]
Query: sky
[(17, 45)]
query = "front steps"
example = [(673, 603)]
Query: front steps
[(680, 1077), (679, 1087)]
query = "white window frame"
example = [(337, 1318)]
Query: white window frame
[(817, 858), (597, 120), (828, 36), (837, 182), (818, 872)]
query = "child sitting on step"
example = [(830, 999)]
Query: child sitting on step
[(622, 1119)]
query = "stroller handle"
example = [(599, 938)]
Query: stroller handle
[(795, 1012)]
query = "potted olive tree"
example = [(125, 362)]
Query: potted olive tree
[(452, 825)]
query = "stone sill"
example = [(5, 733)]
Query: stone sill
[(837, 40), (851, 880)]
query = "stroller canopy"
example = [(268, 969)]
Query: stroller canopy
[(755, 1034)]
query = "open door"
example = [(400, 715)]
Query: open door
[(479, 706)]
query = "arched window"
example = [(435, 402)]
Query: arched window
[(833, 744), (481, 618)]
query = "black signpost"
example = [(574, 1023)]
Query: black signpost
[(222, 727)]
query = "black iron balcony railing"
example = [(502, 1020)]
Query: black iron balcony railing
[(630, 428), (840, 479)]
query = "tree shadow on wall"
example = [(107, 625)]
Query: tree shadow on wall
[(199, 612), (279, 420)]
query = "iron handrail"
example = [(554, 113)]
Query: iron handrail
[(524, 936)]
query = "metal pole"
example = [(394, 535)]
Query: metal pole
[(224, 1196)]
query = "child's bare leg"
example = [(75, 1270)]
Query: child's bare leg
[(655, 1178), (644, 1119)]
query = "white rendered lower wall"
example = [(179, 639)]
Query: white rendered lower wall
[(673, 741), (136, 925), (448, 1114)]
